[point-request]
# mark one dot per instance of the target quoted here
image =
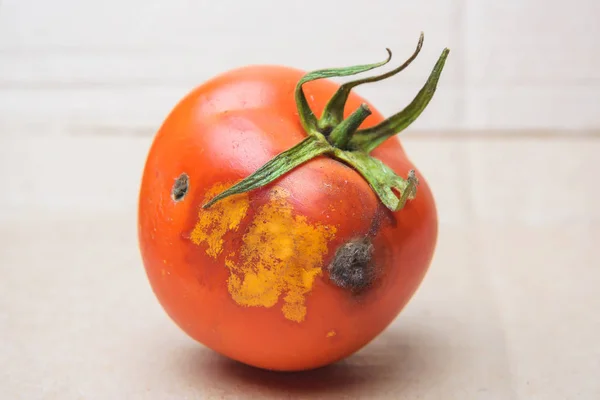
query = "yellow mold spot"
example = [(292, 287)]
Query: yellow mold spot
[(330, 334), (221, 217), (281, 254)]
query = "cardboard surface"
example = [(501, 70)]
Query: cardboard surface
[(501, 315), (508, 310)]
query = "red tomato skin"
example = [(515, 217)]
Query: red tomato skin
[(220, 133)]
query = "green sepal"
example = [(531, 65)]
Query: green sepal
[(368, 139), (307, 117), (381, 178), (333, 112), (342, 140), (307, 149)]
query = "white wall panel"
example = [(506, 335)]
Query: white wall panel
[(516, 64), (532, 64), (125, 64)]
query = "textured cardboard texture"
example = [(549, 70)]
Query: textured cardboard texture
[(507, 310)]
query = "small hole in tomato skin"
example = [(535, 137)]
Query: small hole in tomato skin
[(180, 187), (352, 266)]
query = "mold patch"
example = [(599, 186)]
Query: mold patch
[(352, 267), (280, 254), (180, 187), (225, 215)]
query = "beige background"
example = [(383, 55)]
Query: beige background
[(510, 146)]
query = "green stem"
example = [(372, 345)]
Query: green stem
[(340, 135), (307, 117), (284, 162), (368, 139), (343, 141), (334, 110)]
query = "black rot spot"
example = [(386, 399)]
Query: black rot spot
[(352, 266), (180, 187)]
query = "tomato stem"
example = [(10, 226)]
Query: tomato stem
[(368, 139), (334, 110), (307, 149), (342, 140), (381, 178), (341, 134), (307, 117)]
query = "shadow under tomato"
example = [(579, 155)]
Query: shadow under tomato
[(398, 359), (330, 379)]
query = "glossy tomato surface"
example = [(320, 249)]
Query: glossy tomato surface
[(254, 277)]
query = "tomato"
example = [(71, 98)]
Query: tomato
[(321, 243)]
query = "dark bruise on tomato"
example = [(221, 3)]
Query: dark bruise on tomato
[(280, 223)]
